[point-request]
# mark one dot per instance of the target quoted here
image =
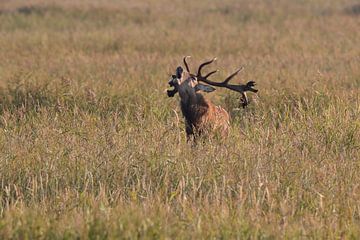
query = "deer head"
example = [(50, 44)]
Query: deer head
[(186, 85)]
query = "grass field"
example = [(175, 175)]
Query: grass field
[(91, 146)]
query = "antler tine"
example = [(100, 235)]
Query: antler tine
[(186, 64), (244, 100), (211, 73), (233, 75), (204, 64)]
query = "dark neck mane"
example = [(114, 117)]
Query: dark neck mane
[(194, 109)]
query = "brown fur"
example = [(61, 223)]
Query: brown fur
[(202, 116)]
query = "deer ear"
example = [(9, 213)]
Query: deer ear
[(205, 88)]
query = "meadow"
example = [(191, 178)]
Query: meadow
[(91, 147)]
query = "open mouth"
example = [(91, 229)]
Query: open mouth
[(171, 92)]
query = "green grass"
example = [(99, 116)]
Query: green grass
[(92, 148)]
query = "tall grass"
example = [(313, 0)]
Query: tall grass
[(91, 147)]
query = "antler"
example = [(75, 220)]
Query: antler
[(186, 64), (241, 88)]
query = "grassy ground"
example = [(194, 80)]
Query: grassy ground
[(91, 147)]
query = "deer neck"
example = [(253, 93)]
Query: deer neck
[(193, 105), (188, 96)]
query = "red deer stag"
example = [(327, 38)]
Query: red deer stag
[(200, 114)]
